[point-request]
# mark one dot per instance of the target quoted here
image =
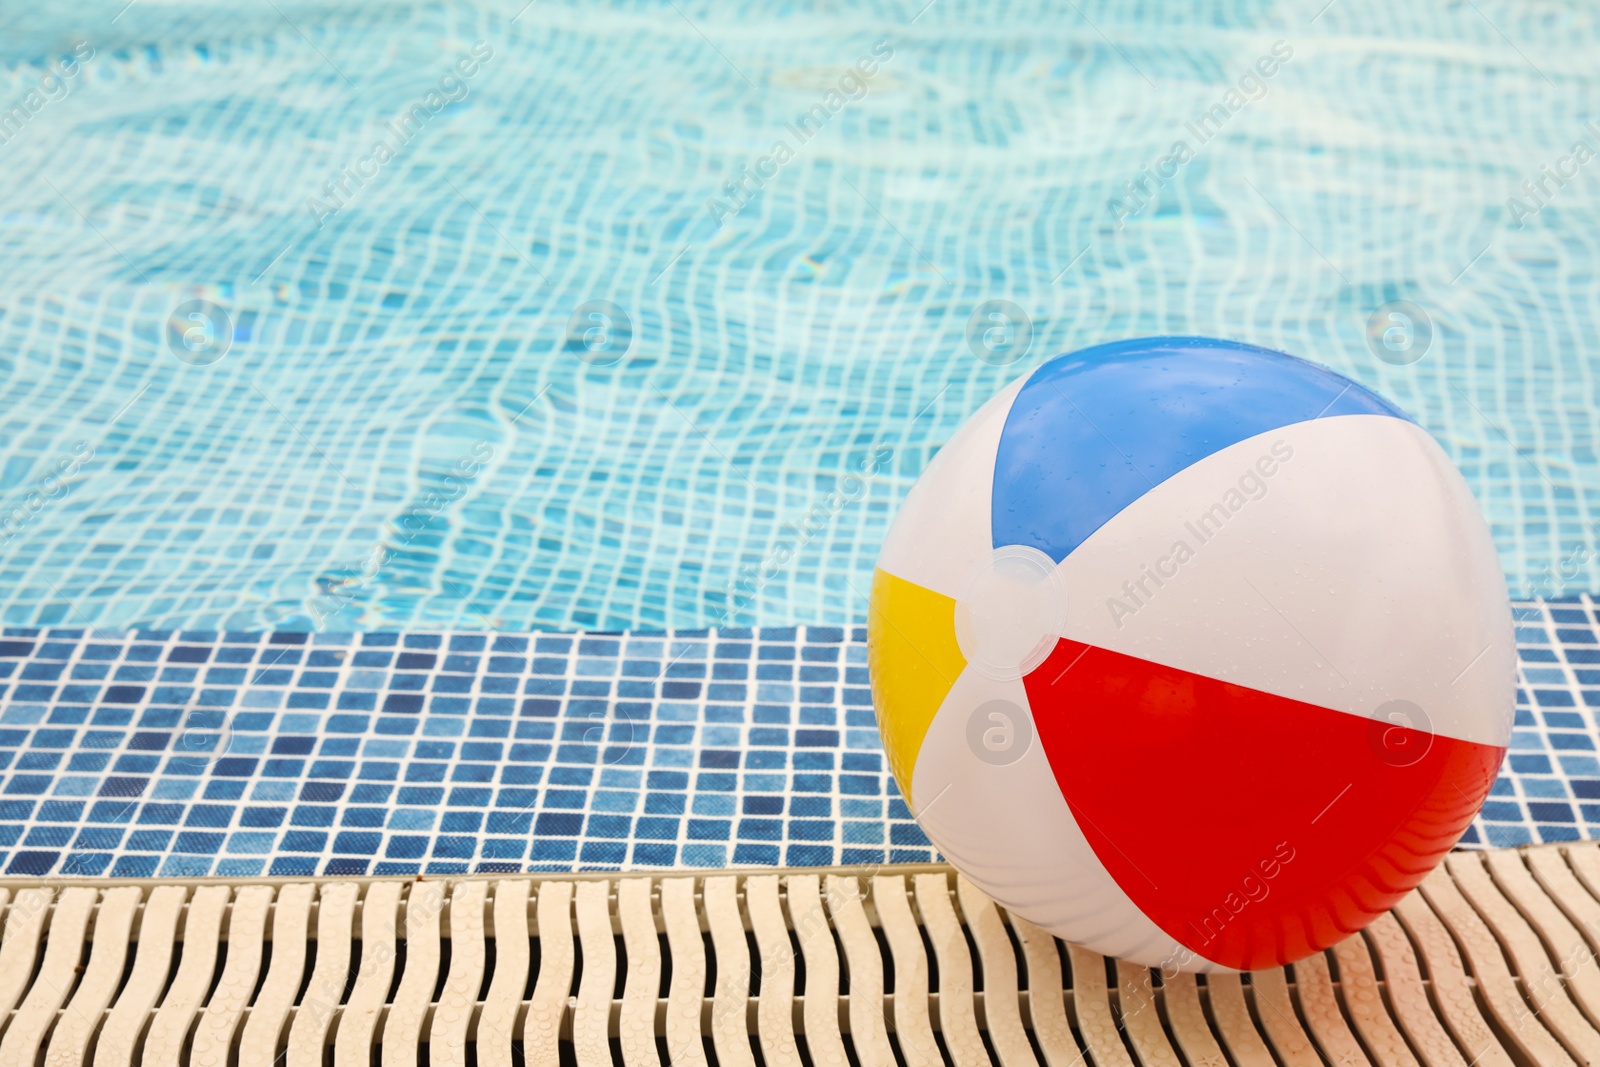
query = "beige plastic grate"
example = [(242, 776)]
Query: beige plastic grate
[(1491, 963)]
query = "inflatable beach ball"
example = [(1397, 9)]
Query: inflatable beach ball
[(1192, 652)]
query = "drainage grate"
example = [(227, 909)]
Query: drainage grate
[(1492, 963)]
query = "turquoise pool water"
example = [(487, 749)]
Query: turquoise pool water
[(460, 316)]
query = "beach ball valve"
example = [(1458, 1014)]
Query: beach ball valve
[(1192, 652)]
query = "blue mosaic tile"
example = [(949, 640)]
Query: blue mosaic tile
[(141, 754), (145, 754)]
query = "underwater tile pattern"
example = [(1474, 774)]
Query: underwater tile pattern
[(239, 754), (414, 425)]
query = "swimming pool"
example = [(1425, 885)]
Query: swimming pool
[(429, 321), (417, 422)]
